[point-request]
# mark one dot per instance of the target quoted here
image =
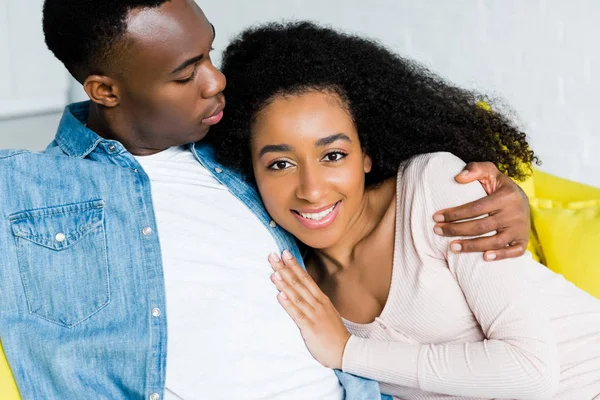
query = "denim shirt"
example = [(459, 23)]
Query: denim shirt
[(81, 270)]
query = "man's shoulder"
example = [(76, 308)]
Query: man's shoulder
[(21, 163), (9, 153), (52, 152)]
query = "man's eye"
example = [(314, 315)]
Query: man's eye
[(334, 156), (277, 165), (189, 78)]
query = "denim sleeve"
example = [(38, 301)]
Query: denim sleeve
[(358, 388)]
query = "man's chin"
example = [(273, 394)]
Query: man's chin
[(199, 135)]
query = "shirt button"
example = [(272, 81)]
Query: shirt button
[(272, 224), (382, 326), (154, 396), (60, 237), (111, 148), (156, 312), (218, 170), (147, 231)]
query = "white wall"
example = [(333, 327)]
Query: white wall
[(33, 84), (538, 55), (31, 79)]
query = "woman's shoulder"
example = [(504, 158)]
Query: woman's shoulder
[(431, 175), (440, 164)]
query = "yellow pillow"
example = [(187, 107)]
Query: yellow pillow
[(566, 221), (534, 245), (8, 388)]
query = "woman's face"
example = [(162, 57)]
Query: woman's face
[(309, 166)]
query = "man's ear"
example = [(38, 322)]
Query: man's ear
[(102, 90), (367, 163)]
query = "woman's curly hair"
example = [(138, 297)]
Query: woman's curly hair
[(400, 108)]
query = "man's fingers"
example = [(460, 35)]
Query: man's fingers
[(481, 244), (498, 245), (486, 205), (516, 249), (477, 171), (475, 227)]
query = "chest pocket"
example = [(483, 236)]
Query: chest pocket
[(63, 261)]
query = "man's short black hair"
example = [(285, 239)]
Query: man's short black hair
[(85, 34)]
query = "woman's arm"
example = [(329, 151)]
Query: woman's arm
[(517, 360), (519, 357)]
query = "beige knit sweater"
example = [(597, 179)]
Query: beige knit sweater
[(456, 327)]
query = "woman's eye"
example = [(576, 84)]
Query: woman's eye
[(277, 165), (334, 156)]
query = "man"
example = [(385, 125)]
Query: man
[(126, 219)]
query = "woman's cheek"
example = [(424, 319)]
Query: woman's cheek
[(272, 194)]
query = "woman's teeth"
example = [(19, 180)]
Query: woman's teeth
[(318, 216)]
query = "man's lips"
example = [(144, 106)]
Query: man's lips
[(216, 116)]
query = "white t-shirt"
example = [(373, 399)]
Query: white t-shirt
[(228, 337)]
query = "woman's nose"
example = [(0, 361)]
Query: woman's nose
[(312, 186)]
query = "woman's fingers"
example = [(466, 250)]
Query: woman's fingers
[(301, 275), (297, 315), (320, 324), (292, 283)]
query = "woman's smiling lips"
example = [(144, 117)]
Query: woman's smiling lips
[(317, 218)]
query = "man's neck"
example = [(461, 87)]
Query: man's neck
[(109, 125)]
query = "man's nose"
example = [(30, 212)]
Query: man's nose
[(214, 84)]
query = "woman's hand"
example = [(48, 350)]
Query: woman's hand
[(507, 207), (320, 324)]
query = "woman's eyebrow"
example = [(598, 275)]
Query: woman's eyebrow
[(275, 148), (332, 138)]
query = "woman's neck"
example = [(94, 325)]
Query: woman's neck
[(362, 229)]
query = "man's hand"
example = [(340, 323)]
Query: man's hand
[(507, 207), (320, 324)]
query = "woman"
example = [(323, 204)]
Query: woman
[(353, 149)]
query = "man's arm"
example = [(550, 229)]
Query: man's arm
[(507, 209)]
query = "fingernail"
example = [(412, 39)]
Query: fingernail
[(287, 255), (490, 257), (438, 218), (283, 296), (274, 258), (438, 230), (456, 247), (464, 172), (278, 276)]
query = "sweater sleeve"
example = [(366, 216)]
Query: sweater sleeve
[(518, 359)]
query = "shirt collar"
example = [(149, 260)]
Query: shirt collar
[(72, 136)]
